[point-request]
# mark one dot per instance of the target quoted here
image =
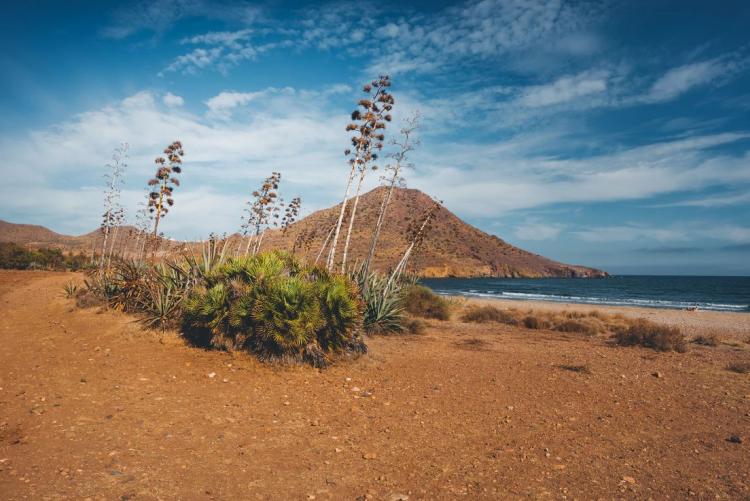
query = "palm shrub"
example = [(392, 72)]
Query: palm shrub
[(276, 307)]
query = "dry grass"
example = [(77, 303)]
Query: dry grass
[(706, 340), (415, 326), (652, 335), (484, 314), (627, 331), (739, 367)]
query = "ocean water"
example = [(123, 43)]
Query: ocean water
[(678, 292)]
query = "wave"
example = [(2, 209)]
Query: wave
[(647, 303)]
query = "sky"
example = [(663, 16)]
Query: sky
[(613, 134)]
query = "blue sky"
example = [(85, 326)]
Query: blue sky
[(614, 134)]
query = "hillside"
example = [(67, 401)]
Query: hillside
[(452, 248)]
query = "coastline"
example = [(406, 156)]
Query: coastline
[(727, 325)]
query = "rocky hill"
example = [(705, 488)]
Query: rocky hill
[(452, 248)]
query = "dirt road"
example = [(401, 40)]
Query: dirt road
[(91, 406)]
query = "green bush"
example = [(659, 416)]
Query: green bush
[(17, 257), (274, 306), (420, 301)]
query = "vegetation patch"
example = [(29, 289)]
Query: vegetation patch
[(484, 314), (581, 369), (706, 340), (422, 302), (739, 367), (648, 334), (18, 257)]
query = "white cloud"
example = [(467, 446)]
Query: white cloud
[(219, 37), (686, 231), (224, 160), (564, 89), (227, 100), (534, 230), (172, 100), (680, 80)]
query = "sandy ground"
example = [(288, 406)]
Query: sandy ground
[(93, 407), (729, 326)]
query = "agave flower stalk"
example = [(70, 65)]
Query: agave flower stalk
[(368, 124), (112, 196), (164, 182), (400, 158), (261, 212), (118, 219), (417, 234)]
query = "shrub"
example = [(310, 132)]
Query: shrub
[(422, 302), (415, 326), (487, 313), (535, 322), (580, 326), (384, 304), (706, 340), (739, 367), (272, 305), (651, 335), (17, 257)]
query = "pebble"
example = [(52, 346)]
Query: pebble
[(369, 455), (211, 375), (628, 480), (657, 374), (735, 439)]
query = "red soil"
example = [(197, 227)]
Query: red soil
[(92, 406)]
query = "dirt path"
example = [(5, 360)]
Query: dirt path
[(93, 407)]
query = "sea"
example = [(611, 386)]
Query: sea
[(678, 292)]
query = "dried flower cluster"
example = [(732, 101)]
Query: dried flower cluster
[(262, 212), (291, 213), (368, 123), (164, 182), (114, 213)]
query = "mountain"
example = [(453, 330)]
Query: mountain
[(451, 248)]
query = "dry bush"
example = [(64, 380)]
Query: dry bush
[(706, 340), (534, 321), (487, 313), (739, 367), (590, 327), (415, 326), (648, 334), (422, 302)]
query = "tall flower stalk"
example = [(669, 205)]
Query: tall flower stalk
[(112, 192), (262, 212), (164, 182), (400, 161), (368, 122), (415, 235)]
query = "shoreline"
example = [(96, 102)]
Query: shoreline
[(727, 325)]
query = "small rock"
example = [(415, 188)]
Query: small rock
[(355, 388), (286, 403), (657, 374), (211, 375), (628, 480), (225, 380), (338, 449), (735, 439), (369, 455), (398, 497)]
